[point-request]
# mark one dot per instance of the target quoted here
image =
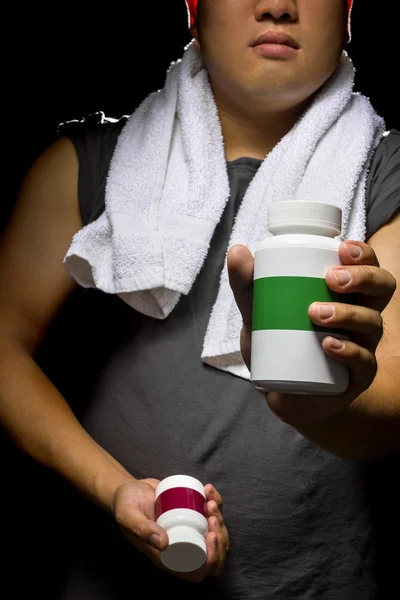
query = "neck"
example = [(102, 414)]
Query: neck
[(254, 134)]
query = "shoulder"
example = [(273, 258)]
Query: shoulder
[(93, 127), (383, 185), (386, 154), (94, 138)]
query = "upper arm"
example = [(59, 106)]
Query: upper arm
[(383, 186), (33, 280), (386, 244)]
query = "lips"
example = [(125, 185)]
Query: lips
[(276, 37)]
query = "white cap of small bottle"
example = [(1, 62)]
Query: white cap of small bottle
[(186, 528), (299, 216)]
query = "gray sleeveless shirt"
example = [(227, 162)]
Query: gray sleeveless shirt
[(304, 524)]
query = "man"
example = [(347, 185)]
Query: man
[(295, 501)]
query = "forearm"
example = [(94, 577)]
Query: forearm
[(40, 422), (370, 426)]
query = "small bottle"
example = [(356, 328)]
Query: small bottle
[(289, 274), (181, 511)]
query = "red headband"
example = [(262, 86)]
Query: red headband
[(192, 11)]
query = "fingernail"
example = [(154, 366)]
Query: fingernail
[(342, 277), (325, 311), (155, 541), (355, 251), (336, 344)]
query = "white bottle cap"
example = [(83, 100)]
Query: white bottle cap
[(297, 216), (180, 481), (187, 550)]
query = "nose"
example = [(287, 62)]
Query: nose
[(277, 10)]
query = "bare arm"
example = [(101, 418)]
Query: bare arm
[(33, 286), (370, 426)]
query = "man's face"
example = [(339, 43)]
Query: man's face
[(226, 30)]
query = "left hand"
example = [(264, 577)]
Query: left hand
[(373, 289), (134, 511)]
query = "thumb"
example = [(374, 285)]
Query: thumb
[(141, 529), (240, 270)]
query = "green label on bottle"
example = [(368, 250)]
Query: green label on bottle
[(283, 303)]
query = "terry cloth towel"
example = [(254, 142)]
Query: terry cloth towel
[(168, 186)]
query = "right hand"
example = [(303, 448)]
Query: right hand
[(134, 511)]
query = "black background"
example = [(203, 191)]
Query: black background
[(61, 63)]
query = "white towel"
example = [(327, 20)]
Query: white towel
[(168, 186)]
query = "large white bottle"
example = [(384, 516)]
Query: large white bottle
[(289, 275)]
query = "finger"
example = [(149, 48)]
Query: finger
[(352, 252), (222, 552), (361, 362), (376, 284), (213, 494), (364, 279), (349, 317), (227, 538), (223, 544), (214, 524), (212, 552), (143, 529), (213, 511), (240, 270), (222, 533)]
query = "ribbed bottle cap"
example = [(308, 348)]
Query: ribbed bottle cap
[(304, 217), (186, 551)]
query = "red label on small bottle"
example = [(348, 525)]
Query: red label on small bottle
[(180, 497)]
